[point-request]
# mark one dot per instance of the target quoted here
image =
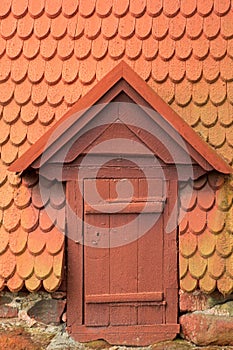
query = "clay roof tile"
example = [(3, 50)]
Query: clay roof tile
[(35, 8), (15, 283), (5, 8), (201, 50), (137, 7), (19, 69), (166, 49), (160, 27), (39, 93), (18, 241), (217, 135), (82, 48), (194, 26), (28, 113), (216, 220), (69, 8), (25, 264), (206, 198), (5, 131), (159, 70), (176, 70), (126, 26), (197, 265), (120, 7), (222, 7), (43, 265), (72, 92), (14, 47), (36, 69), (133, 48), (18, 133), (47, 219), (8, 27), (177, 27), (36, 241), (216, 266), (9, 153), (48, 48), (218, 48), (103, 8), (22, 93), (200, 93), (46, 114), (109, 27), (224, 244), (143, 26), (6, 91), (211, 26), (58, 263), (209, 116), (188, 8), (188, 244), (57, 195), (31, 47), (42, 26), (143, 68), (204, 7), (53, 69), (183, 93), (183, 48), (55, 241), (53, 8), (58, 27), (7, 264), (29, 218), (225, 284), (11, 218), (92, 26), (99, 48), (2, 46), (19, 9), (4, 240), (22, 197), (206, 243), (183, 266), (51, 283), (197, 220), (86, 8), (150, 48), (207, 284), (154, 8), (33, 283), (56, 94), (188, 283), (65, 48), (229, 266), (226, 26), (193, 69)]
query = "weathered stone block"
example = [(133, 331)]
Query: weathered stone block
[(48, 311), (214, 326), (7, 311)]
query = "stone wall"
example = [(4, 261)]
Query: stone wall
[(206, 319)]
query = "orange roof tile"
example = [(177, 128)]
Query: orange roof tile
[(53, 52)]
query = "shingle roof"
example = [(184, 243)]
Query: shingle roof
[(54, 52)]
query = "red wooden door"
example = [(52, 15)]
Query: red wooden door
[(126, 290), (123, 267)]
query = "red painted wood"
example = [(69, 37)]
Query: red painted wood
[(105, 91)]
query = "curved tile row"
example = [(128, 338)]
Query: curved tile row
[(206, 241)]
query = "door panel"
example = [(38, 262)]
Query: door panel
[(123, 281)]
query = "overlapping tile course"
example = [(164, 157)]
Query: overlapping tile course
[(206, 236), (53, 52)]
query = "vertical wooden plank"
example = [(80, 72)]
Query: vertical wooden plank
[(150, 253), (123, 260), (96, 258), (75, 260), (170, 256)]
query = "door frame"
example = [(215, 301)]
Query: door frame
[(75, 278)]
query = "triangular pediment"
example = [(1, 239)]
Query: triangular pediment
[(121, 103)]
